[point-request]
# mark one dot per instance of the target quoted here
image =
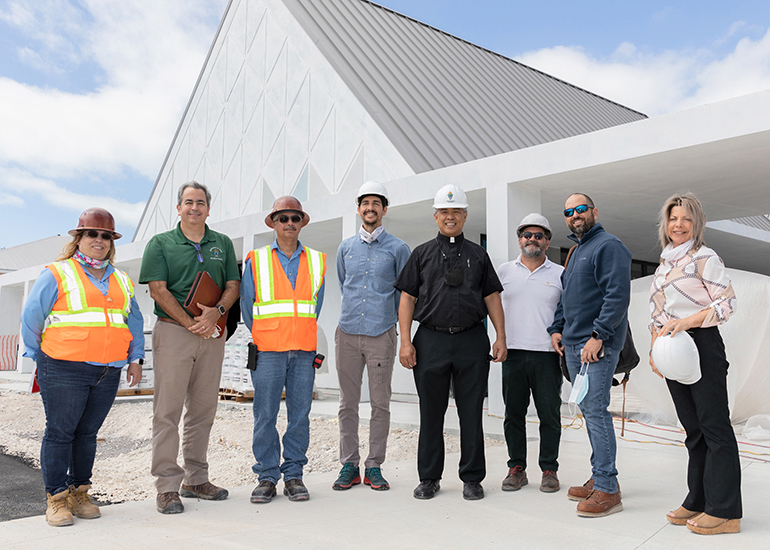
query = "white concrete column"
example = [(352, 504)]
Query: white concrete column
[(24, 364), (506, 206)]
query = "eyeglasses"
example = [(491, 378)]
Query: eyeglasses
[(198, 248), (94, 234), (580, 209), (294, 218), (530, 235)]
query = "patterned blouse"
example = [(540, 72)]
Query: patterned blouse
[(686, 286)]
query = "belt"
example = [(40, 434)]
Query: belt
[(169, 320), (451, 330)]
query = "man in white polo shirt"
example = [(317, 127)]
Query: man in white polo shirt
[(532, 288)]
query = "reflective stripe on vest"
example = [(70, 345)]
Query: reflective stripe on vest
[(78, 314), (265, 304)]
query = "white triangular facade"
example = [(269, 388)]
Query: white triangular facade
[(268, 117)]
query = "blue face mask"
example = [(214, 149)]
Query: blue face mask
[(579, 388)]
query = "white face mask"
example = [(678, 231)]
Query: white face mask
[(579, 389)]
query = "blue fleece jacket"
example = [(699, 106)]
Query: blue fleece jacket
[(597, 290)]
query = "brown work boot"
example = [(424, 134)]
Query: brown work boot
[(206, 491), (599, 504), (550, 482), (517, 478), (80, 504), (57, 514), (169, 503), (581, 492)]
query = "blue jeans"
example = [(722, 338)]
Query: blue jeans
[(276, 370), (76, 398), (601, 431)]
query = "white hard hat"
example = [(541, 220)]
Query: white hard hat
[(450, 196), (677, 358), (535, 219), (372, 188)]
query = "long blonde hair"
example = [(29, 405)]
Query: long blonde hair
[(694, 209), (71, 247)]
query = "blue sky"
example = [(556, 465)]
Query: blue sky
[(91, 91)]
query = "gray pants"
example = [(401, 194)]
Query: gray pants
[(354, 351)]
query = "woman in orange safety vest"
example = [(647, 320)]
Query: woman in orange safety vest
[(81, 325)]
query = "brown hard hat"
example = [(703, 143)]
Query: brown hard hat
[(286, 203), (96, 218)]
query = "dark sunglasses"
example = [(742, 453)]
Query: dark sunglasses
[(294, 218), (580, 209), (93, 234), (530, 235), (198, 249)]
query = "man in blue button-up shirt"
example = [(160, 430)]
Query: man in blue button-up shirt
[(367, 267)]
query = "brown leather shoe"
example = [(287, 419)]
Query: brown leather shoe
[(205, 491), (517, 478), (550, 482), (599, 504)]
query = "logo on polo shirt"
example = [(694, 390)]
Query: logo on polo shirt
[(217, 254)]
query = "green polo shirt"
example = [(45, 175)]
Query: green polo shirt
[(173, 258)]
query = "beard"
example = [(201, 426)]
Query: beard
[(530, 252), (588, 223)]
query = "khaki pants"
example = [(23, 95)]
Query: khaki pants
[(187, 373), (377, 353)]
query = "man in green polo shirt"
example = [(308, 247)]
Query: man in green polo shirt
[(187, 354)]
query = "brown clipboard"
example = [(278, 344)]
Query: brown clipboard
[(205, 291)]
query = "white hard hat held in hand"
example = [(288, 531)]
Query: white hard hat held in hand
[(676, 357)]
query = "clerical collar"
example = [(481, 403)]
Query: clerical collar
[(441, 238)]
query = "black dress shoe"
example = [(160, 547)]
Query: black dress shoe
[(472, 490), (263, 493), (427, 489)]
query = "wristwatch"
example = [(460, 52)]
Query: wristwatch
[(221, 309), (140, 361), (595, 335)]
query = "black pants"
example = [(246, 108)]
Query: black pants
[(461, 358), (537, 372), (714, 469)]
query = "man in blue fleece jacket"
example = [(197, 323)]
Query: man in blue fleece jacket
[(589, 326)]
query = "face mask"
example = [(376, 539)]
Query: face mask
[(579, 389)]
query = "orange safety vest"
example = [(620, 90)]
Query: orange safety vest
[(283, 318), (84, 324)]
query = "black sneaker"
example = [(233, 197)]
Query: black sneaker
[(349, 475), (263, 493), (427, 489), (295, 489)]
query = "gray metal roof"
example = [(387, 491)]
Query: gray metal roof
[(39, 252), (440, 99), (757, 222)]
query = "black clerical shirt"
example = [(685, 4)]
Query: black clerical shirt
[(439, 304)]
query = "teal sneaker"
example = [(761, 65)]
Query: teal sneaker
[(349, 475), (373, 477)]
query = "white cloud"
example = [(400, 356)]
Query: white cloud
[(664, 82), (22, 183)]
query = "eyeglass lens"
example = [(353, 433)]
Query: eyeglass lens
[(93, 234), (285, 219), (581, 209), (198, 248), (530, 235)]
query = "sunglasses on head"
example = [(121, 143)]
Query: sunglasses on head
[(93, 234), (285, 219), (530, 235), (580, 209)]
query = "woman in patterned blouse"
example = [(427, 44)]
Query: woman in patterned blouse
[(691, 291)]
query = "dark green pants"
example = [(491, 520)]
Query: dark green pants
[(538, 373)]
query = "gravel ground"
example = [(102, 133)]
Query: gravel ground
[(122, 468)]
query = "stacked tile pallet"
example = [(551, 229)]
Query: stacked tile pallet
[(236, 378)]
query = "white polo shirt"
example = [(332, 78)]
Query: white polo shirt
[(529, 302)]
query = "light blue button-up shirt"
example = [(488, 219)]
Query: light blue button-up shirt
[(43, 296), (366, 274), (290, 267)]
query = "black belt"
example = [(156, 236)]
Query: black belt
[(451, 330)]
